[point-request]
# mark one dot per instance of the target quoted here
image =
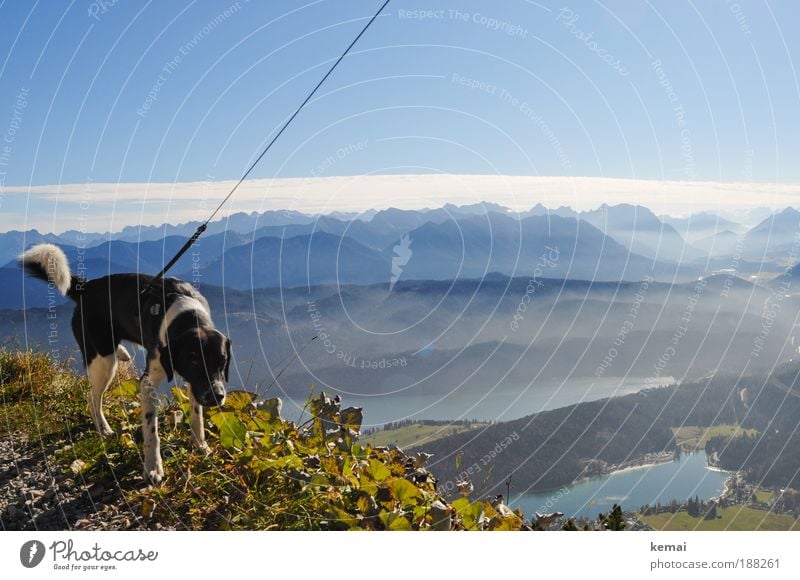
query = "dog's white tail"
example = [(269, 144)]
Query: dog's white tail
[(48, 262)]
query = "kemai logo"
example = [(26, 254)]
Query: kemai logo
[(402, 254), (31, 553)]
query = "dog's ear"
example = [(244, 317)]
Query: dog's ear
[(228, 357), (165, 358)]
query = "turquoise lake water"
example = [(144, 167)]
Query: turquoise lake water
[(686, 477), (501, 403)]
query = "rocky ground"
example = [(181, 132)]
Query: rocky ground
[(36, 494)]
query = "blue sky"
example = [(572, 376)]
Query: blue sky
[(680, 91)]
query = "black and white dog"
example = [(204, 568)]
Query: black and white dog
[(171, 321)]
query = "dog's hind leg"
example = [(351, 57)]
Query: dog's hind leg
[(198, 431), (148, 394), (100, 370)]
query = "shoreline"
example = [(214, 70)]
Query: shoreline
[(719, 469), (633, 467), (642, 463)]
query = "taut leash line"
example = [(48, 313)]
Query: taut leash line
[(204, 225)]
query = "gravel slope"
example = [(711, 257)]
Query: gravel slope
[(35, 494)]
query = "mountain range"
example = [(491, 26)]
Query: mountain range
[(288, 249)]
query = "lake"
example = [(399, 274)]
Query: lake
[(681, 479), (501, 403)]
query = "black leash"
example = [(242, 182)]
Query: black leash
[(204, 225)]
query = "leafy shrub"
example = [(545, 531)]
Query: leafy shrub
[(263, 472)]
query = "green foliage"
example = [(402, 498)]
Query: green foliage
[(570, 526), (482, 515), (613, 520), (42, 396), (263, 472)]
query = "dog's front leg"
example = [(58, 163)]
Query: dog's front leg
[(101, 371), (148, 393), (198, 430)]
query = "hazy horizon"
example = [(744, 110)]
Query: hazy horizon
[(109, 207)]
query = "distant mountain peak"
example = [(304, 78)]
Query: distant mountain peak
[(788, 211), (476, 208), (786, 218), (562, 211)]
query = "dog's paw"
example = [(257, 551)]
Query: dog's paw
[(200, 445), (153, 476), (105, 431)]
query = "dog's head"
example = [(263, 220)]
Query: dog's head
[(203, 358)]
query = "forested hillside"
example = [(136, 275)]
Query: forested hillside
[(554, 448)]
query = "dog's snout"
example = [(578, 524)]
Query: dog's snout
[(218, 392), (212, 396)]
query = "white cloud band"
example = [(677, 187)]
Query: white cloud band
[(155, 203)]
